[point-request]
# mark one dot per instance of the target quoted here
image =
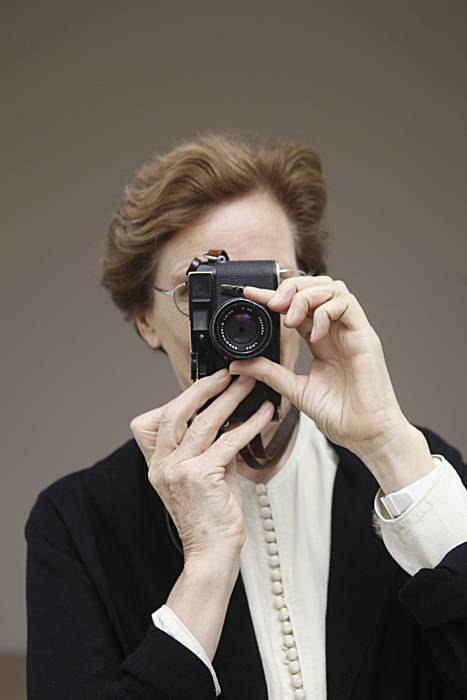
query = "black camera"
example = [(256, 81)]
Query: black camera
[(225, 326)]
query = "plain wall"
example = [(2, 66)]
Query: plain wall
[(92, 90)]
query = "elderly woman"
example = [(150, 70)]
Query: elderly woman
[(322, 555)]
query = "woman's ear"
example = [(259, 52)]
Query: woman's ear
[(145, 327)]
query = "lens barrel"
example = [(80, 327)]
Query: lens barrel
[(241, 328)]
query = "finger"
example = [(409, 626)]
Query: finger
[(344, 308), (299, 307), (229, 444), (259, 294), (146, 427), (278, 377), (173, 422), (286, 289), (206, 424), (306, 301), (287, 296)]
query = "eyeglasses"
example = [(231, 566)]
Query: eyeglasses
[(179, 293)]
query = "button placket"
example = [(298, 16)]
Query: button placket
[(290, 659)]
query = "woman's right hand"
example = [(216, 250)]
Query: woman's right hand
[(194, 474)]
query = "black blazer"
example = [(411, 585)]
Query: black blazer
[(100, 561)]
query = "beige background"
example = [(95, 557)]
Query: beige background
[(91, 90)]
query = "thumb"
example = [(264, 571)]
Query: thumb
[(276, 376)]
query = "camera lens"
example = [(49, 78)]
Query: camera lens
[(241, 328)]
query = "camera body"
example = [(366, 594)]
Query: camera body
[(225, 326)]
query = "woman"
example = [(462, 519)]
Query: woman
[(182, 566)]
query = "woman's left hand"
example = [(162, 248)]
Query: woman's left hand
[(348, 391)]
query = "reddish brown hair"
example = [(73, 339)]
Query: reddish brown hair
[(176, 189)]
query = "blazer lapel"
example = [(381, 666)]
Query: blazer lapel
[(361, 574)]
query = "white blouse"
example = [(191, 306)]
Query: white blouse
[(285, 559)]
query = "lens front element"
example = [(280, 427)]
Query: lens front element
[(241, 328)]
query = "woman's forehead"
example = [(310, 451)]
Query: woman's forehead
[(249, 228), (240, 244)]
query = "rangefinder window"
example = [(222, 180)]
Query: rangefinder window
[(200, 286)]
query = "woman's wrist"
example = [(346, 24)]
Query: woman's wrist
[(200, 598), (213, 566)]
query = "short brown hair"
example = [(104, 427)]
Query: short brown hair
[(176, 189)]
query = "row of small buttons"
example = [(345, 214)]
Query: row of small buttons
[(289, 647)]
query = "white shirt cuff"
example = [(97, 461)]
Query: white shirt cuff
[(397, 502), (165, 619), (431, 524)]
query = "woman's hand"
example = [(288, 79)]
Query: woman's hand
[(193, 473), (348, 392)]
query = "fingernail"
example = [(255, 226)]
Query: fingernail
[(264, 408)]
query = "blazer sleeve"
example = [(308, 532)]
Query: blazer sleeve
[(72, 649), (166, 619), (437, 597), (431, 526)]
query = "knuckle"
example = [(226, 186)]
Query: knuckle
[(324, 278), (166, 418), (143, 420), (179, 432), (171, 477), (229, 440), (162, 472), (134, 424), (341, 285), (154, 476), (202, 424), (286, 285)]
